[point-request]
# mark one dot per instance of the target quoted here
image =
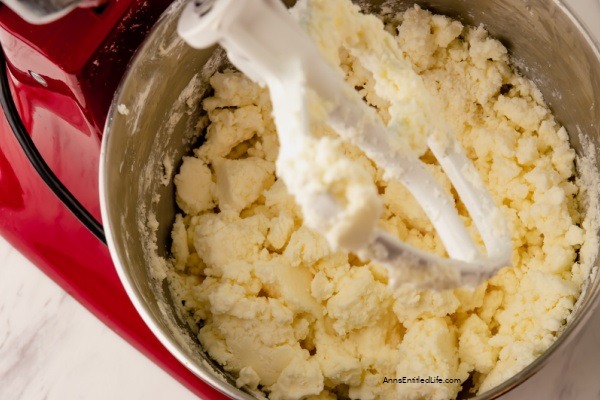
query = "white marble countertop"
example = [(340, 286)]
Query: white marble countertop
[(52, 348)]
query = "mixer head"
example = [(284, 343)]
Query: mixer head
[(45, 11)]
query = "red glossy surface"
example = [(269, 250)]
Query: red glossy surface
[(82, 58)]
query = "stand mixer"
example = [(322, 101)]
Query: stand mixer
[(62, 66), (59, 79), (57, 91)]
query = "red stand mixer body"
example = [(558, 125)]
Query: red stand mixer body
[(63, 76)]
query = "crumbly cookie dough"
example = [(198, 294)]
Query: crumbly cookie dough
[(276, 307)]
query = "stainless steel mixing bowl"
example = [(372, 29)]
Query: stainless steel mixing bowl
[(151, 126)]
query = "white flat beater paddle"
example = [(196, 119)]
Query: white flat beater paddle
[(266, 43)]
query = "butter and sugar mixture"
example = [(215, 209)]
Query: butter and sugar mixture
[(274, 305)]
